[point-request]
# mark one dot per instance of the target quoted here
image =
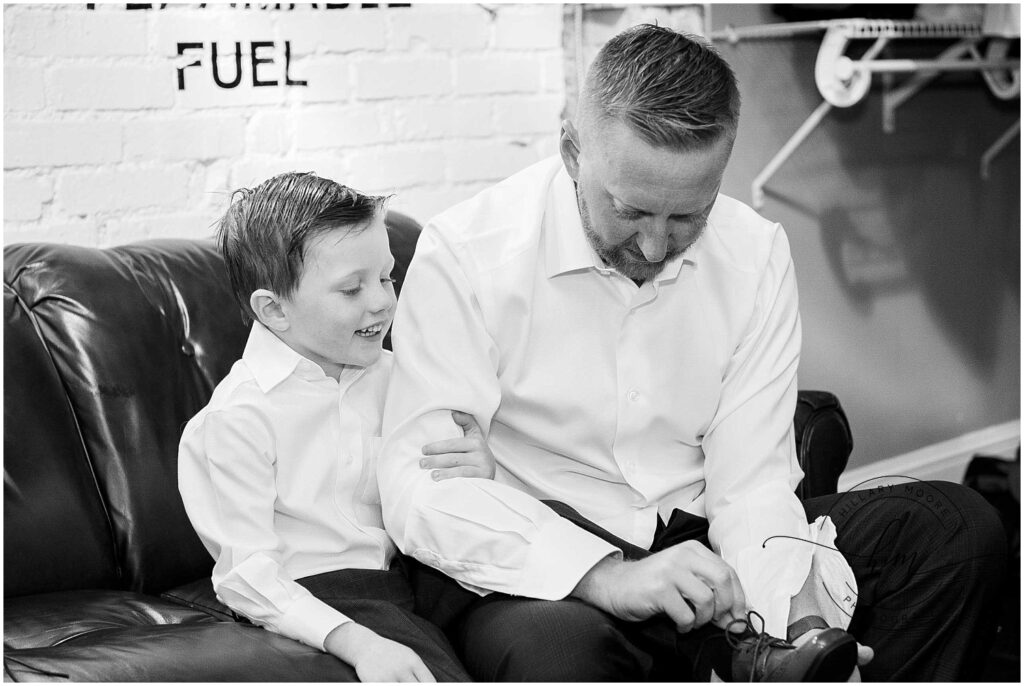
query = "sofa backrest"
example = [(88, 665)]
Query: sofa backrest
[(119, 348), (57, 533)]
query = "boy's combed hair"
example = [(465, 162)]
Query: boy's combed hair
[(671, 89), (264, 233)]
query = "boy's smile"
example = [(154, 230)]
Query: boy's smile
[(345, 299)]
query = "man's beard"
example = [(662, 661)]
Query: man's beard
[(626, 257)]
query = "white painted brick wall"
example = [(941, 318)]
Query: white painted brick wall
[(505, 73), (73, 231), (528, 114), (341, 127), (252, 169), (529, 28), (442, 28), (487, 160), (108, 86), (174, 225), (432, 103), (197, 138), (403, 77), (24, 197), (386, 170), (270, 132), (433, 199), (90, 191), (335, 32), (40, 143), (23, 88), (428, 120), (79, 33)]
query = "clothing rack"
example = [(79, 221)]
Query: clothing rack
[(843, 81)]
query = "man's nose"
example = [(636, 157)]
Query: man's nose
[(653, 240)]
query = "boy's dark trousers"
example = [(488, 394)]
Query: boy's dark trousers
[(383, 602), (928, 558)]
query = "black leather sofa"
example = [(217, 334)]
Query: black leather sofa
[(107, 353)]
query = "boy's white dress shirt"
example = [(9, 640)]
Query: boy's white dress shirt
[(624, 402), (277, 474)]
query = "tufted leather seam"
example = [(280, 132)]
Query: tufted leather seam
[(93, 630), (29, 312), (179, 323), (35, 670)]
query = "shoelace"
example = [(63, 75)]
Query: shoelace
[(762, 643)]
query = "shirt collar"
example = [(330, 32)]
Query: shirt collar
[(270, 359), (674, 266), (566, 246)]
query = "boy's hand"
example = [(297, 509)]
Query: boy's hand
[(466, 456), (376, 659)]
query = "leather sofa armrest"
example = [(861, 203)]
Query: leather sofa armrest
[(823, 442)]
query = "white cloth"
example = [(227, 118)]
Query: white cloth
[(621, 401), (278, 477)]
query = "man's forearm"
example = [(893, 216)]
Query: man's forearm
[(492, 536)]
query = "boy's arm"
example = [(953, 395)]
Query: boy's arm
[(226, 478), (483, 533), (376, 659)]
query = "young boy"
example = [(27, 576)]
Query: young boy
[(277, 472)]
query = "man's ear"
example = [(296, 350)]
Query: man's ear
[(267, 306), (569, 148)]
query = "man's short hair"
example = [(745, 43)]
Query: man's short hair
[(264, 233), (671, 89)]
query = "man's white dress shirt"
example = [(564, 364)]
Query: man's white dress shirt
[(624, 402), (278, 477)]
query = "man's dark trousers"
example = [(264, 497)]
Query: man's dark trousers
[(928, 558)]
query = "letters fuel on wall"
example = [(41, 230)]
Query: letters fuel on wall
[(265, 71), (267, 68)]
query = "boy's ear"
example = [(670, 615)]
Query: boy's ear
[(269, 312), (569, 148)]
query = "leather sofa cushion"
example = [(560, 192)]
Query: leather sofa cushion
[(49, 619), (198, 652), (124, 636), (199, 595)]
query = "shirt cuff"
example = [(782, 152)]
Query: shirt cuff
[(834, 587), (772, 576), (561, 555), (310, 620)]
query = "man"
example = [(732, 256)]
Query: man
[(628, 339)]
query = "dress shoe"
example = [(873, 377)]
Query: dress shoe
[(757, 656)]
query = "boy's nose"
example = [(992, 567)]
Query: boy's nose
[(384, 301)]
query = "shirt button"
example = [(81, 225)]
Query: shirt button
[(633, 396)]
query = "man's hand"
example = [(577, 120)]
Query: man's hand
[(688, 582), (375, 658), (466, 456), (864, 656)]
